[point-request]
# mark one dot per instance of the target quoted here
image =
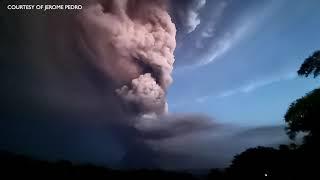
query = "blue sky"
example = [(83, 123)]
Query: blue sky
[(247, 75)]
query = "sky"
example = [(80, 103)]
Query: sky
[(249, 77), (233, 78)]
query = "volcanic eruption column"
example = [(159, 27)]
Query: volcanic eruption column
[(132, 42)]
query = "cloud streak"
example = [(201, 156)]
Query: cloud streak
[(254, 85), (188, 14), (223, 29), (226, 43), (210, 28), (248, 87)]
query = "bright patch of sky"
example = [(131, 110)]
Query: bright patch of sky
[(253, 81)]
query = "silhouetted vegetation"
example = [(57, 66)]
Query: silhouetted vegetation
[(282, 162), (311, 65), (290, 161), (303, 115), (14, 166)]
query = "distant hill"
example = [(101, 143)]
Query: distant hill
[(266, 135), (263, 131)]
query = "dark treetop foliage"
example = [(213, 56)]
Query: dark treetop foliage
[(289, 160), (311, 65), (303, 115)]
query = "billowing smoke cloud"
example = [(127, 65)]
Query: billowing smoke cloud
[(157, 128), (146, 94), (99, 80), (140, 35), (133, 41)]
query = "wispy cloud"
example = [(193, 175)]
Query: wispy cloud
[(226, 43), (210, 28), (247, 88), (256, 84), (191, 15), (202, 99), (246, 25)]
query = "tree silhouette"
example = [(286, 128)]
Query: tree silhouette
[(311, 65), (303, 114), (255, 162), (290, 161)]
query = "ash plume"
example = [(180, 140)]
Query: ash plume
[(132, 42), (95, 78)]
